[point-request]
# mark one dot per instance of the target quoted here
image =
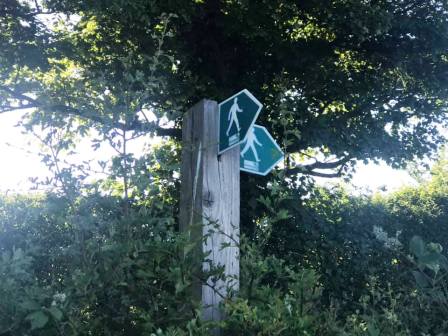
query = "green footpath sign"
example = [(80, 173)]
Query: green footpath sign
[(237, 115), (259, 152)]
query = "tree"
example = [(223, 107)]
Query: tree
[(343, 79), (340, 80)]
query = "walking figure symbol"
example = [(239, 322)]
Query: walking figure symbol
[(250, 144), (233, 116)]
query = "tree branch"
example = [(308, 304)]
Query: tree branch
[(136, 125), (324, 175), (17, 95), (309, 169), (5, 109), (328, 165)]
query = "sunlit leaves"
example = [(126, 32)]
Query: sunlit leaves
[(308, 29)]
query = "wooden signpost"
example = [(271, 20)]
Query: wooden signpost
[(210, 201), (210, 186)]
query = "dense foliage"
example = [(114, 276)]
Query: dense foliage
[(347, 79), (340, 80), (94, 264)]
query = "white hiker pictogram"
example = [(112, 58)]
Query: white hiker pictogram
[(250, 144), (233, 117)]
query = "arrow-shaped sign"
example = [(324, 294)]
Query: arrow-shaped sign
[(237, 116), (259, 153)]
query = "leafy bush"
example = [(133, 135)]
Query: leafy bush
[(85, 268), (91, 270), (274, 299), (99, 264)]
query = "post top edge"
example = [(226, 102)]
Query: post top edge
[(204, 102)]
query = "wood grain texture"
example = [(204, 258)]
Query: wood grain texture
[(210, 202)]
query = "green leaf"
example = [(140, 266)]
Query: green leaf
[(38, 319), (417, 246), (430, 259), (56, 313), (283, 214), (181, 286), (373, 330), (142, 274), (30, 305), (189, 247), (443, 261), (420, 279)]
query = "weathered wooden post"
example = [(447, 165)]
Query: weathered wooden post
[(210, 201), (210, 193)]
